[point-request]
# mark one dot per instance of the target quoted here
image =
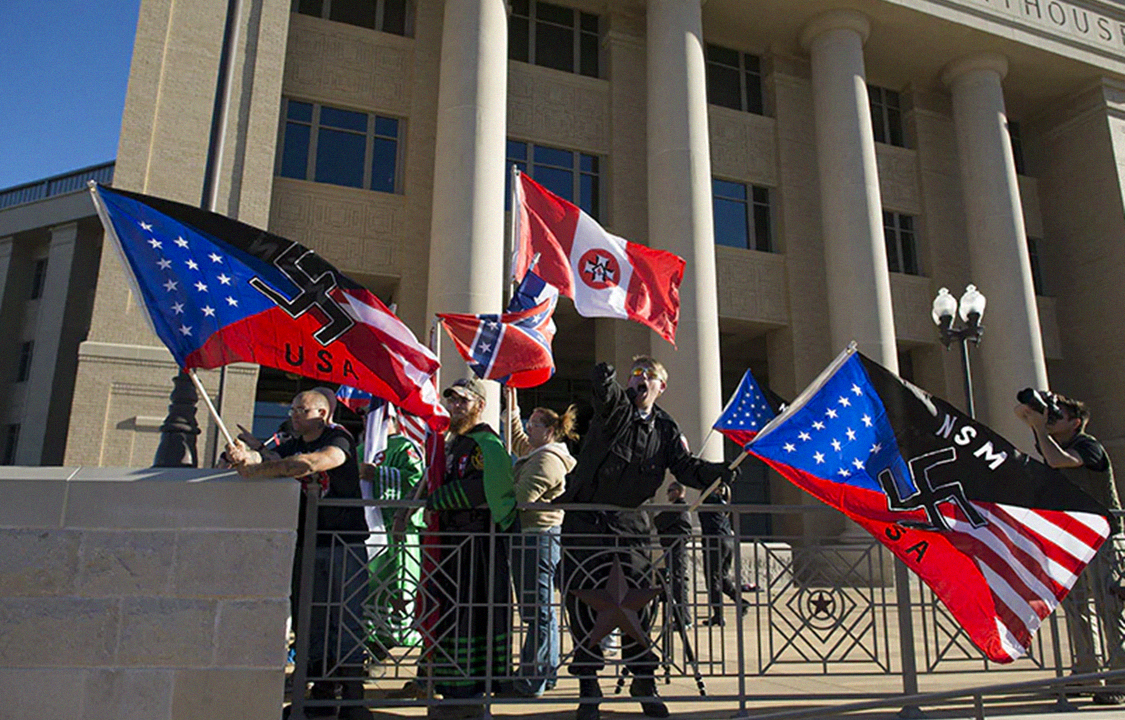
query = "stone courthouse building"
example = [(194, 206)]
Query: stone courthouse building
[(824, 166)]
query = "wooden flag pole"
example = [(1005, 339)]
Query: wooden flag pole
[(715, 485), (211, 407)]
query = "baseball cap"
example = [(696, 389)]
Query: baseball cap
[(466, 387)]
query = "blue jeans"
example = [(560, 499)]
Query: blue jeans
[(535, 561)]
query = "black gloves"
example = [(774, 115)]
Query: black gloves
[(603, 372), (730, 476)]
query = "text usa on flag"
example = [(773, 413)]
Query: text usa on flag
[(605, 275), (218, 291), (999, 537)]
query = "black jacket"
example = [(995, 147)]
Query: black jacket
[(624, 456)]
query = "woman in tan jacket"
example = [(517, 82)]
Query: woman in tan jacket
[(539, 477)]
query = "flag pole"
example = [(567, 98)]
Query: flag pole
[(214, 413), (715, 485)]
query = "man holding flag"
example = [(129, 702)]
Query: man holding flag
[(629, 447)]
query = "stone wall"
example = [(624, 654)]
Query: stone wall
[(144, 594)]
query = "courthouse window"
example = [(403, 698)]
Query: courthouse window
[(572, 175), (902, 255), (23, 370), (391, 16), (339, 147), (1017, 146), (11, 441), (1034, 246), (742, 215), (734, 79), (554, 36), (886, 115), (38, 278)]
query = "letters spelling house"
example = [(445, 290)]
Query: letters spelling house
[(823, 167)]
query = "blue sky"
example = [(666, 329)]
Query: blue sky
[(64, 65)]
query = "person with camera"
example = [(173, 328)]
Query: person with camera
[(1059, 426)]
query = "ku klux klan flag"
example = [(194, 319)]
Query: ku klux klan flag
[(746, 413), (605, 275), (218, 291), (513, 348), (999, 537)]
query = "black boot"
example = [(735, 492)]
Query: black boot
[(588, 692), (651, 705), (352, 689)]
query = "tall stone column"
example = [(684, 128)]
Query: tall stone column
[(679, 208), (859, 285), (48, 337), (467, 229), (1012, 357)]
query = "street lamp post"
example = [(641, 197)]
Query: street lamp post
[(971, 308)]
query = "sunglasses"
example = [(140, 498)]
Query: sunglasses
[(646, 373)]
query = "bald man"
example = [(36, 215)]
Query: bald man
[(321, 455)]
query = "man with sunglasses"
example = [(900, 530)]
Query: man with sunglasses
[(629, 447)]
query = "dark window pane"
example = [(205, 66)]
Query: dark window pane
[(909, 257), (589, 23), (546, 12), (753, 63), (589, 195), (762, 234), (722, 55), (878, 124), (560, 182), (906, 222), (891, 99), (295, 153), (554, 47), (727, 189), (346, 119), (894, 127), (761, 195), (39, 278), (588, 163), (754, 94), (383, 165), (339, 158), (888, 219), (554, 156), (311, 7), (874, 95), (386, 127), (517, 150), (518, 39), (394, 17), (730, 223), (520, 7), (588, 49), (299, 111), (892, 251), (723, 87), (353, 12)]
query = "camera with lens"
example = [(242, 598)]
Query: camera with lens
[(1040, 401)]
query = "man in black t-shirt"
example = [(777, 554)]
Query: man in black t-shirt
[(1065, 445), (322, 457)]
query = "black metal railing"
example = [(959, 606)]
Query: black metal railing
[(56, 185), (401, 609)]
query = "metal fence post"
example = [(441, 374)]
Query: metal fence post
[(906, 639), (304, 603)]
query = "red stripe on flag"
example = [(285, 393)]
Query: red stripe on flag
[(653, 296), (1051, 549), (547, 226)]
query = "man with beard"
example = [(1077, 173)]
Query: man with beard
[(322, 456), (630, 445), (476, 509)]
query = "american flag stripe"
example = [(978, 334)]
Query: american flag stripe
[(1037, 552), (993, 546), (1013, 611), (1069, 554)]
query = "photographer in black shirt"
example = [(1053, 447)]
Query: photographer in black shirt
[(1059, 425)]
